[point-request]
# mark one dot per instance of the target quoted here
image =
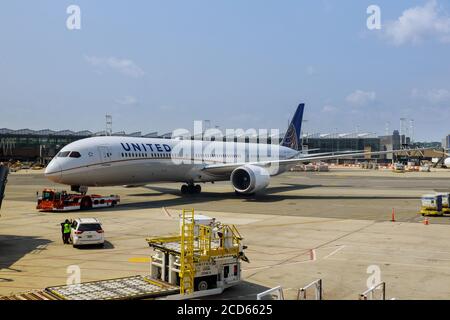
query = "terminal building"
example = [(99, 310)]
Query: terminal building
[(40, 146), (446, 142), (342, 142), (35, 145)]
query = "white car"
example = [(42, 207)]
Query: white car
[(87, 231)]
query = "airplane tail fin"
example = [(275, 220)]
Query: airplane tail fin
[(292, 138)]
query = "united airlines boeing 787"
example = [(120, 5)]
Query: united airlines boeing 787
[(114, 160)]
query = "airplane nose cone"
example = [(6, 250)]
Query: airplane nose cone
[(53, 171)]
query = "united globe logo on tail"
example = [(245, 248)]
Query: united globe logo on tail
[(292, 137), (290, 140)]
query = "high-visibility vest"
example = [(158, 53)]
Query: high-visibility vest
[(66, 228)]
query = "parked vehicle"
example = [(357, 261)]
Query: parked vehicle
[(87, 231)]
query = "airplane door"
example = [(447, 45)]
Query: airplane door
[(105, 154)]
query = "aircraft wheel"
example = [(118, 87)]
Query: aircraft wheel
[(86, 203), (202, 285), (198, 188), (184, 189)]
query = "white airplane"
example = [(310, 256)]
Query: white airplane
[(131, 161)]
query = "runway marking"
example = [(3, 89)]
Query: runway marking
[(334, 252), (312, 258), (139, 260), (278, 265), (416, 265), (167, 212)]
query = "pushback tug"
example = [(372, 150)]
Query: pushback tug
[(52, 200)]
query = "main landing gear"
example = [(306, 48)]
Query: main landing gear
[(191, 189)]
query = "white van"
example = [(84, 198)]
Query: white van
[(87, 231)]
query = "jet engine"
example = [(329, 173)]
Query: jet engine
[(447, 162), (249, 179)]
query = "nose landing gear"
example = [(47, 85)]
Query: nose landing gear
[(191, 189), (79, 189)]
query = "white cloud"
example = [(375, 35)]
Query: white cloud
[(418, 23), (361, 98), (433, 95), (127, 101), (124, 66), (329, 108)]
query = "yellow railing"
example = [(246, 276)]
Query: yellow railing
[(200, 243), (187, 271), (166, 239), (228, 239)]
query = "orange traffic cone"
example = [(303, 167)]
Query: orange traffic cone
[(426, 222), (393, 215)]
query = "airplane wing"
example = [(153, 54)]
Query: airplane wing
[(303, 155), (227, 168)]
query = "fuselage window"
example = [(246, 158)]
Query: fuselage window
[(75, 154), (63, 154)]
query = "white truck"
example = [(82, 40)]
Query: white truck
[(204, 259)]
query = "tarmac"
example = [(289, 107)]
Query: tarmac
[(333, 226)]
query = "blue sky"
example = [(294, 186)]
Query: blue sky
[(160, 65)]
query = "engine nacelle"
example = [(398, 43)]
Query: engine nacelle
[(447, 162), (249, 179)]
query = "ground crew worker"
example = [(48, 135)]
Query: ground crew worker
[(62, 232), (66, 228)]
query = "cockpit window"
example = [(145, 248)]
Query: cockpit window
[(63, 154), (75, 154)]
